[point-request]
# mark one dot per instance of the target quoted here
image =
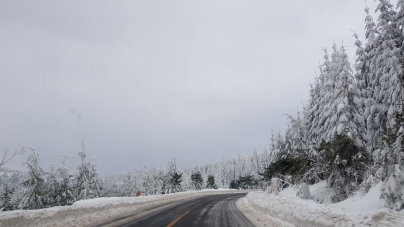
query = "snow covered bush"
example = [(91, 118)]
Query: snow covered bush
[(345, 165)]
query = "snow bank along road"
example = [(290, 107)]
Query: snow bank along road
[(360, 210), (211, 210), (117, 211)]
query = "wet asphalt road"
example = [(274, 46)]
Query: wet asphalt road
[(212, 211)]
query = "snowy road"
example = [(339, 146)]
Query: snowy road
[(212, 210)]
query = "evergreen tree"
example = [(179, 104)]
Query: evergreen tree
[(296, 133), (223, 174), (65, 184), (60, 185), (266, 158), (158, 183), (33, 184), (51, 187), (312, 113), (95, 182), (335, 104), (175, 182), (344, 165), (247, 182), (197, 180), (87, 185), (5, 198), (400, 17), (256, 164), (364, 73), (361, 83), (393, 166), (350, 103), (370, 28), (174, 178), (319, 104), (335, 109), (288, 168), (234, 184), (384, 75), (211, 182)]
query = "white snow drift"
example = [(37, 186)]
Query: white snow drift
[(359, 210)]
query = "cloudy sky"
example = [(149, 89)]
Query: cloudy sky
[(142, 80)]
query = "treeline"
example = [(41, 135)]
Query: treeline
[(62, 185), (350, 132), (37, 188), (239, 173)]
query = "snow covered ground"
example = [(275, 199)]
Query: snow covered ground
[(359, 210), (92, 211), (259, 217)]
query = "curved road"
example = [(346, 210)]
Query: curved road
[(212, 210)]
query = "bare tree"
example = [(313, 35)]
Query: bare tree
[(8, 156)]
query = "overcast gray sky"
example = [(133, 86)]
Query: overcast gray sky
[(142, 80)]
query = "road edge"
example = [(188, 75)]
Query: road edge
[(257, 217)]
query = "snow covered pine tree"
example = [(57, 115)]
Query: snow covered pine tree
[(33, 184)]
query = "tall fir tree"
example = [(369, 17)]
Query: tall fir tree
[(361, 82), (384, 86), (87, 182), (65, 187), (59, 184), (174, 178), (33, 184), (318, 103), (335, 105), (348, 102)]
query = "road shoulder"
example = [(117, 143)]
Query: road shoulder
[(257, 217)]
